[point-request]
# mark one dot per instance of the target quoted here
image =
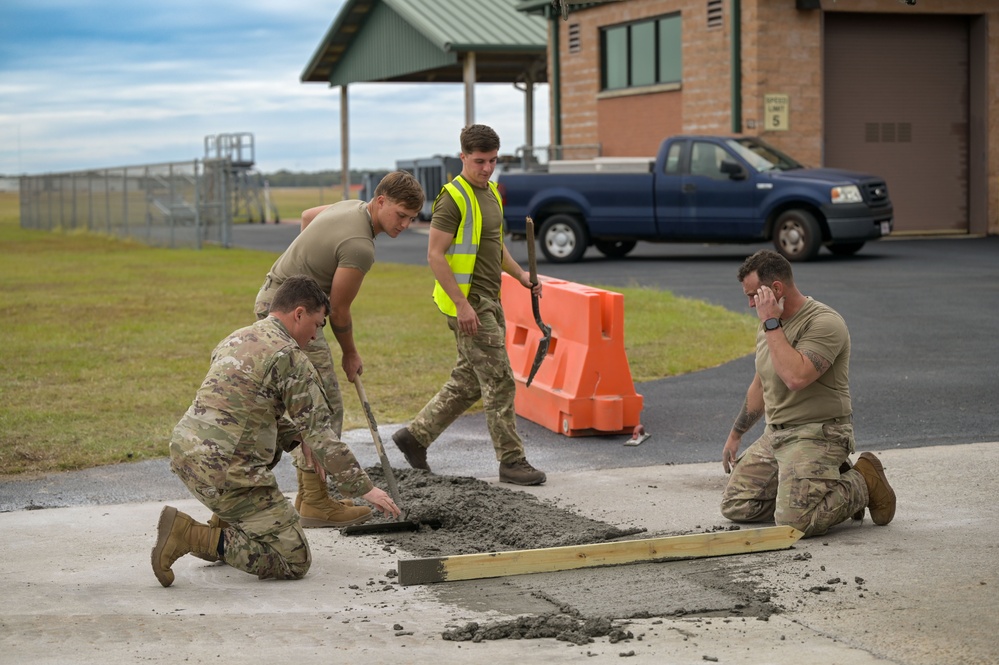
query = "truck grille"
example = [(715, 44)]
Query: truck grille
[(876, 192)]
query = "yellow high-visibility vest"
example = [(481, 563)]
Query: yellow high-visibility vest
[(464, 247)]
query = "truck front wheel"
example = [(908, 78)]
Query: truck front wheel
[(797, 236), (563, 239)]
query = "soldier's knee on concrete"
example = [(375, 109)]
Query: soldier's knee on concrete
[(746, 510)]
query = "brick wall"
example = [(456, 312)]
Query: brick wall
[(782, 54), (624, 125)]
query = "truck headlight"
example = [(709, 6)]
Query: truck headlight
[(846, 194)]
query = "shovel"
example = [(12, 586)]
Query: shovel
[(546, 331), (402, 524)]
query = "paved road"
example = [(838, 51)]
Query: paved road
[(923, 316)]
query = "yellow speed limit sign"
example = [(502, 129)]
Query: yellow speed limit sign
[(775, 112)]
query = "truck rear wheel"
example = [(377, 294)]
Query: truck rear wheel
[(614, 248), (563, 239), (797, 235)]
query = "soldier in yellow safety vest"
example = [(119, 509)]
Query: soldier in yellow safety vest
[(467, 255)]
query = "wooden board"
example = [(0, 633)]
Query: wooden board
[(522, 562)]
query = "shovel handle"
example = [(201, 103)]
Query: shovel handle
[(373, 426), (532, 260)]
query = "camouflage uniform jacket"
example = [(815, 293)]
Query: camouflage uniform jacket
[(261, 396)]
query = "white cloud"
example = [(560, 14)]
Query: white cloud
[(116, 83)]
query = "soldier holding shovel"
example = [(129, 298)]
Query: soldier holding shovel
[(467, 255)]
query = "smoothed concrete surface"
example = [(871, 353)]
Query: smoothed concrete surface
[(78, 588)]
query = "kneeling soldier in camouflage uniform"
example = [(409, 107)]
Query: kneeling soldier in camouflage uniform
[(262, 396)]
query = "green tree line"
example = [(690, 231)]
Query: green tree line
[(284, 178)]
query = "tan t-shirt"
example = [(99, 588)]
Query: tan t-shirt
[(817, 328), (339, 237), (487, 274)]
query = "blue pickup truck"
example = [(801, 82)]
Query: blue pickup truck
[(697, 189)]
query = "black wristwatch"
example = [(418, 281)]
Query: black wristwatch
[(771, 324)]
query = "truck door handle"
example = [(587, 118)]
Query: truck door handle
[(689, 187)]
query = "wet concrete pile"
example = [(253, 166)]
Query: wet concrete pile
[(478, 517)]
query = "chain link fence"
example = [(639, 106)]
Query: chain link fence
[(176, 204)]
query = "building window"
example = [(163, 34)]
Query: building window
[(641, 54), (574, 44)]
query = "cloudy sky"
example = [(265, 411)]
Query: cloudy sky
[(100, 83)]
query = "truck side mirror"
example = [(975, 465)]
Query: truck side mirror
[(733, 169)]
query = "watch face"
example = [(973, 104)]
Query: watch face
[(771, 324)]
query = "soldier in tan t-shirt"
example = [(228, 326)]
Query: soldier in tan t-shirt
[(798, 472), (336, 248)]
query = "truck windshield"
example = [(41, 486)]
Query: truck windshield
[(762, 156)]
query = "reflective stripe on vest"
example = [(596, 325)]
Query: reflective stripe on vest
[(464, 248)]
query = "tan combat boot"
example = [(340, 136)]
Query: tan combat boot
[(298, 497), (881, 497), (178, 534), (843, 468), (215, 522), (318, 509)]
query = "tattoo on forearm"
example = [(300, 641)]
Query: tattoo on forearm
[(341, 329), (818, 362), (745, 420)]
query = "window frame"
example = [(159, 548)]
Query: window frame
[(618, 50)]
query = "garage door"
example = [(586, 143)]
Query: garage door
[(896, 105)]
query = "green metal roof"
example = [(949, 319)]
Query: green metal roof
[(545, 8), (424, 41)]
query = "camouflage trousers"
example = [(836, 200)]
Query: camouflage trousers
[(792, 476), (482, 371), (321, 356), (264, 536)]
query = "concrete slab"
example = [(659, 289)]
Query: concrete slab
[(77, 585)]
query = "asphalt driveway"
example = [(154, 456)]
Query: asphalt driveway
[(923, 316)]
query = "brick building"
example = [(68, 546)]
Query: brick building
[(908, 92)]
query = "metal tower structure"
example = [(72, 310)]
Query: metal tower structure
[(234, 155)]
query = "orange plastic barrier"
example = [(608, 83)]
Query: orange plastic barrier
[(584, 385)]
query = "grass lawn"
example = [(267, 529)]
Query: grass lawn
[(105, 341), (291, 201)]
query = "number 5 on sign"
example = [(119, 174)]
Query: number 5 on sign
[(775, 112)]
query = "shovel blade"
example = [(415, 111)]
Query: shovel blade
[(539, 357)]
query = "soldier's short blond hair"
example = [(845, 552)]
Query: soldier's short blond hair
[(403, 188)]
